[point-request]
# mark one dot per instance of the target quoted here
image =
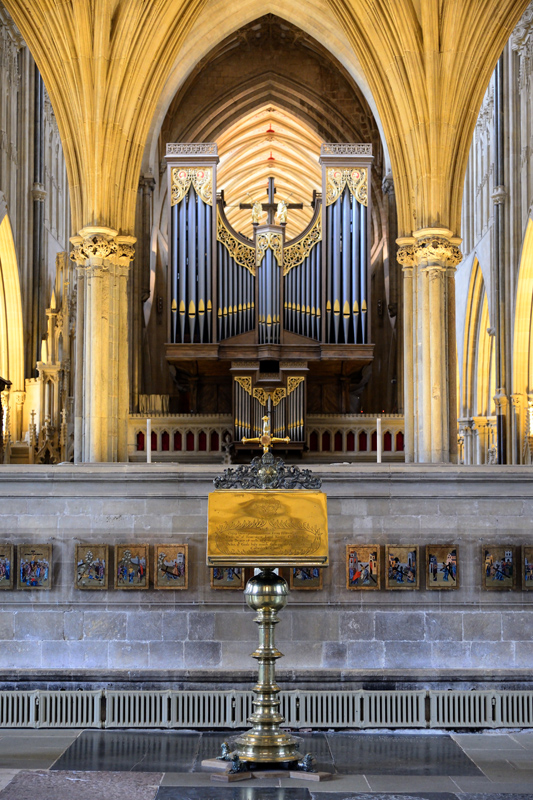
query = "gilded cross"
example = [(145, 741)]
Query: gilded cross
[(266, 439)]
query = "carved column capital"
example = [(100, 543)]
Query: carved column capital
[(499, 195), (405, 255), (19, 398), (125, 250), (38, 192), (437, 252), (102, 247)]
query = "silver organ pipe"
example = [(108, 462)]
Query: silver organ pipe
[(356, 296), (208, 282), (191, 261), (336, 298), (329, 260), (191, 267), (175, 278), (363, 273), (346, 272), (182, 266), (201, 269)]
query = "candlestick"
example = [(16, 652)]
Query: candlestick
[(148, 441), (378, 436)]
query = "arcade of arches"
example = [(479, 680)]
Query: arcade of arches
[(431, 102)]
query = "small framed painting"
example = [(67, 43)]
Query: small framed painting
[(131, 566), (442, 566), (92, 562), (227, 578), (401, 566), (498, 566), (171, 569), (309, 578), (6, 566), (362, 566), (34, 566), (527, 567)]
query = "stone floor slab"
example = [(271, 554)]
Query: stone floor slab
[(399, 754), (140, 751), (231, 793), (386, 796), (414, 783), (28, 785)]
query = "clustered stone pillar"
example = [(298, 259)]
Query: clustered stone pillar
[(102, 387), (429, 259)]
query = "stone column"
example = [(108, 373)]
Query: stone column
[(406, 259), (429, 259), (103, 260)]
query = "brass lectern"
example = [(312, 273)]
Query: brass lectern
[(267, 515)]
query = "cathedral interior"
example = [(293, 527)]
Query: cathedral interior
[(307, 221)]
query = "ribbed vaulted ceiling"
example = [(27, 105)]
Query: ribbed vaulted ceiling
[(268, 142)]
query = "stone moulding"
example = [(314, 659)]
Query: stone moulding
[(192, 149), (343, 149)]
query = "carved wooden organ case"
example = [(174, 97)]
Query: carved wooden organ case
[(275, 311)]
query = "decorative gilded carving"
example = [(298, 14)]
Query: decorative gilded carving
[(276, 396), (242, 254), (293, 381), (343, 149), (295, 254), (245, 382), (356, 178), (181, 179), (264, 241)]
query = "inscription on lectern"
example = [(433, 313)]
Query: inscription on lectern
[(267, 528)]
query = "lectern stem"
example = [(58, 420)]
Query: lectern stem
[(267, 593)]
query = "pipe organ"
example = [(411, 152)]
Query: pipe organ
[(269, 313)]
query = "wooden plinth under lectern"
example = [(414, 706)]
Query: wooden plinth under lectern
[(267, 515)]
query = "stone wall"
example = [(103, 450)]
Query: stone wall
[(200, 636)]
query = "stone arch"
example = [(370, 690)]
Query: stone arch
[(478, 349), (11, 322), (523, 322)]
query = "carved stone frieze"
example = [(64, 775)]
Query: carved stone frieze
[(344, 149), (192, 149)]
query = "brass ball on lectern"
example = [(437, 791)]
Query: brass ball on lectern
[(266, 590)]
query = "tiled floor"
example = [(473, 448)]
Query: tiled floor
[(156, 765)]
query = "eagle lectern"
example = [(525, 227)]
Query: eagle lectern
[(267, 515)]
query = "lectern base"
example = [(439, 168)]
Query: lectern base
[(266, 743)]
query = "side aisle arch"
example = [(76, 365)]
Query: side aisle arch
[(11, 324), (522, 396)]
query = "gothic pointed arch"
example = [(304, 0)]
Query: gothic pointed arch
[(523, 340), (11, 324), (478, 379)]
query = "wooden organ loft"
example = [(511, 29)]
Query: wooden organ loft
[(273, 317)]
